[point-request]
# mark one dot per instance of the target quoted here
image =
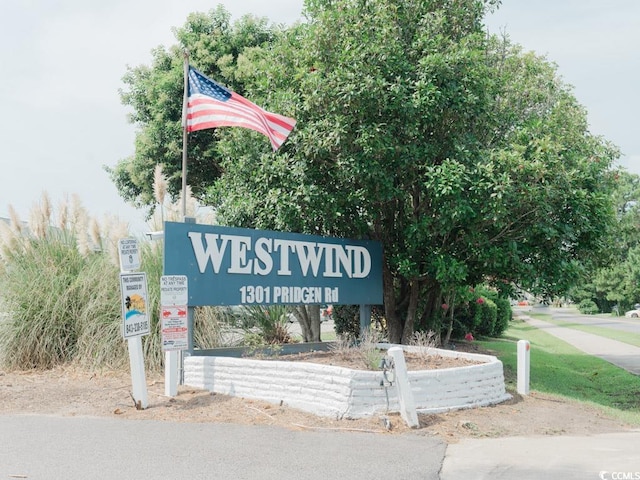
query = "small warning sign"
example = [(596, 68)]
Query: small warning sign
[(175, 330), (129, 254), (174, 290)]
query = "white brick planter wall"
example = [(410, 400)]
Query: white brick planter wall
[(327, 390)]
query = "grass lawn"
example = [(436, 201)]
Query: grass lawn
[(559, 368)]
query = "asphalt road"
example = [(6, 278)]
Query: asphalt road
[(606, 321), (70, 448)]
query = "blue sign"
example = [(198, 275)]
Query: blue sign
[(238, 266)]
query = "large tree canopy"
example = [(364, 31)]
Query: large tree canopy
[(468, 159)]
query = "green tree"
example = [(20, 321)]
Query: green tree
[(155, 95), (468, 159), (618, 281)]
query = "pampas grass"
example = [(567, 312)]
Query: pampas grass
[(59, 290), (59, 285)]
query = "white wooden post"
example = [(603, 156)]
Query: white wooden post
[(524, 364), (138, 378), (405, 395), (171, 378)]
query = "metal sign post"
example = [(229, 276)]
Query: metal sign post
[(135, 319)]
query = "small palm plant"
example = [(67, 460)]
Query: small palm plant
[(271, 322)]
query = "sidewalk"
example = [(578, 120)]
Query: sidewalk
[(619, 353), (605, 456)]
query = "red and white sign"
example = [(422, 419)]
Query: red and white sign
[(174, 327)]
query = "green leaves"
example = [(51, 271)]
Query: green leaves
[(468, 159)]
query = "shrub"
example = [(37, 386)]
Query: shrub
[(487, 314), (365, 349), (588, 307), (504, 315), (347, 320), (484, 318), (59, 287), (209, 325)]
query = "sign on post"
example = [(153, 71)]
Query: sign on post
[(174, 296), (236, 266), (135, 319), (175, 328), (174, 318), (174, 290), (133, 287), (129, 254)]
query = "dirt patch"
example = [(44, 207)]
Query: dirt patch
[(72, 392), (361, 360)]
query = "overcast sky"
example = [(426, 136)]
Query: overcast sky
[(63, 61)]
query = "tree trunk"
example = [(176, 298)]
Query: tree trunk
[(309, 319), (407, 331), (450, 325), (394, 322), (314, 320)]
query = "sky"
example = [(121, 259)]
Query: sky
[(63, 63)]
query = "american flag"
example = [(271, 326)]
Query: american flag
[(211, 105)]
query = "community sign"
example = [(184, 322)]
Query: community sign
[(236, 266), (133, 287)]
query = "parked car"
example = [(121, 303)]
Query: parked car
[(326, 314), (633, 313)]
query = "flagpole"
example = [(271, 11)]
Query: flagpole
[(174, 360), (185, 134)]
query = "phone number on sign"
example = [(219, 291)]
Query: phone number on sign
[(137, 327), (310, 295)]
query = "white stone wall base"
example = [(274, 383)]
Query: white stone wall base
[(338, 392)]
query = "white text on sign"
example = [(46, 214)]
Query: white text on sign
[(304, 295)]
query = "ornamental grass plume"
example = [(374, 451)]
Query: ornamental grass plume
[(15, 222), (63, 213), (159, 185), (94, 233), (113, 230), (160, 189), (8, 243), (191, 204), (76, 212), (40, 217), (11, 236), (80, 231)]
